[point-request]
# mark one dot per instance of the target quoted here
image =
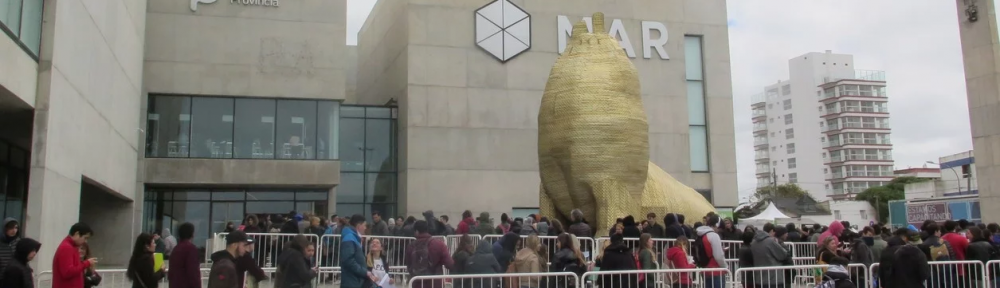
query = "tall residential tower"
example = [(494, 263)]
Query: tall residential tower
[(825, 129)]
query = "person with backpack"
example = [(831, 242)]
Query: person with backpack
[(958, 241), (902, 265), (937, 249), (504, 225), (465, 226), (767, 252), (482, 262), (646, 258), (426, 256), (837, 276), (708, 252), (980, 249)]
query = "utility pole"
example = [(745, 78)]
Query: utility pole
[(774, 182)]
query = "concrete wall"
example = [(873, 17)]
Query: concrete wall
[(89, 84), (19, 76), (296, 50), (468, 123), (981, 51), (269, 173)]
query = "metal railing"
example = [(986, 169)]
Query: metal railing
[(701, 277)]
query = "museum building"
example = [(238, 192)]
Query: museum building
[(137, 115)]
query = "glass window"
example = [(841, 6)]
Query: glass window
[(10, 15), (31, 24), (270, 207), (693, 59), (296, 129), (788, 119), (192, 195), (696, 102), (352, 144), (254, 128), (351, 188), (793, 177), (352, 111), (350, 209), (787, 104), (790, 148), (312, 195), (378, 112), (211, 127), (257, 195), (699, 148), (786, 89), (224, 213), (194, 212), (227, 196), (168, 124), (328, 130), (380, 187), (379, 145), (789, 133), (791, 163), (705, 193)]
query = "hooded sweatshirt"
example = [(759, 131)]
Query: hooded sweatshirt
[(223, 273), (169, 241), (18, 274), (767, 252), (679, 260), (483, 261), (672, 227), (7, 243), (717, 257), (504, 249), (465, 227), (839, 274), (835, 229)]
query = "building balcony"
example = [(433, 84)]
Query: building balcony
[(859, 174), (758, 100), (759, 127), (761, 155), (763, 169), (757, 113), (863, 125), (844, 193), (856, 109), (760, 142), (859, 157), (856, 141)]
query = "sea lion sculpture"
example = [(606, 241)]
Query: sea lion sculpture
[(593, 139)]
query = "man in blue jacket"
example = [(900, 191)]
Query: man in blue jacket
[(352, 254)]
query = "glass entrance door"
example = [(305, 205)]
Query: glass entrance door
[(225, 212)]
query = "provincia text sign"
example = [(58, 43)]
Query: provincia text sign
[(265, 3)]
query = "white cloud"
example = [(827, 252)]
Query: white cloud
[(915, 41)]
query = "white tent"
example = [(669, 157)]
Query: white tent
[(769, 214)]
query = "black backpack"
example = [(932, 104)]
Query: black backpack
[(701, 257)]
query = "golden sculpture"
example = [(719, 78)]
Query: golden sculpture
[(593, 142)]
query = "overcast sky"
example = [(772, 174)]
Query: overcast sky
[(915, 41)]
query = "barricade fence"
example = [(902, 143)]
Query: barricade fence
[(267, 246), (797, 275), (512, 280), (656, 278), (943, 274)]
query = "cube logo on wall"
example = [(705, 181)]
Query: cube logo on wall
[(503, 29)]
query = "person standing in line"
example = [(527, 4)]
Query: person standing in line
[(654, 229), (169, 243), (223, 273), (713, 250), (427, 256), (446, 225), (959, 242), (140, 266), (465, 227), (379, 227), (67, 269), (90, 276), (294, 264), (903, 265), (352, 255), (8, 241), (18, 274), (184, 265), (578, 226), (377, 263), (246, 264)]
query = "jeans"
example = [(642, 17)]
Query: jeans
[(715, 281)]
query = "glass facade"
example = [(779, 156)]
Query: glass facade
[(13, 181), (22, 21), (241, 128), (697, 120), (368, 176), (211, 209)]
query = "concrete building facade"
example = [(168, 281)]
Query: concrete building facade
[(981, 52), (825, 129), (468, 119), (135, 116)]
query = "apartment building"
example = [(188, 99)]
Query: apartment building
[(825, 129)]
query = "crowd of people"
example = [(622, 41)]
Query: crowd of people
[(903, 255)]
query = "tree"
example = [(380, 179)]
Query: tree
[(880, 196)]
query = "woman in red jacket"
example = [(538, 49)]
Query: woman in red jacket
[(677, 257)]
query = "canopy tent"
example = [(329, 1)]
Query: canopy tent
[(769, 214)]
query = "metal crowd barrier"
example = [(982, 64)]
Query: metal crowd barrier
[(657, 278), (519, 280), (267, 246), (587, 245), (110, 278), (952, 274), (796, 276), (394, 248)]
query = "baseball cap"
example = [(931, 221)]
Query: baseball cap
[(237, 237)]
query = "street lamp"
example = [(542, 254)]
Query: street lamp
[(958, 180)]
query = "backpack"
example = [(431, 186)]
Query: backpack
[(701, 257), (830, 282), (939, 252), (638, 265), (504, 228), (421, 264)]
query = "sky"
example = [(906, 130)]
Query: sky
[(915, 41)]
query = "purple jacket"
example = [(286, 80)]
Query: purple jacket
[(184, 270)]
